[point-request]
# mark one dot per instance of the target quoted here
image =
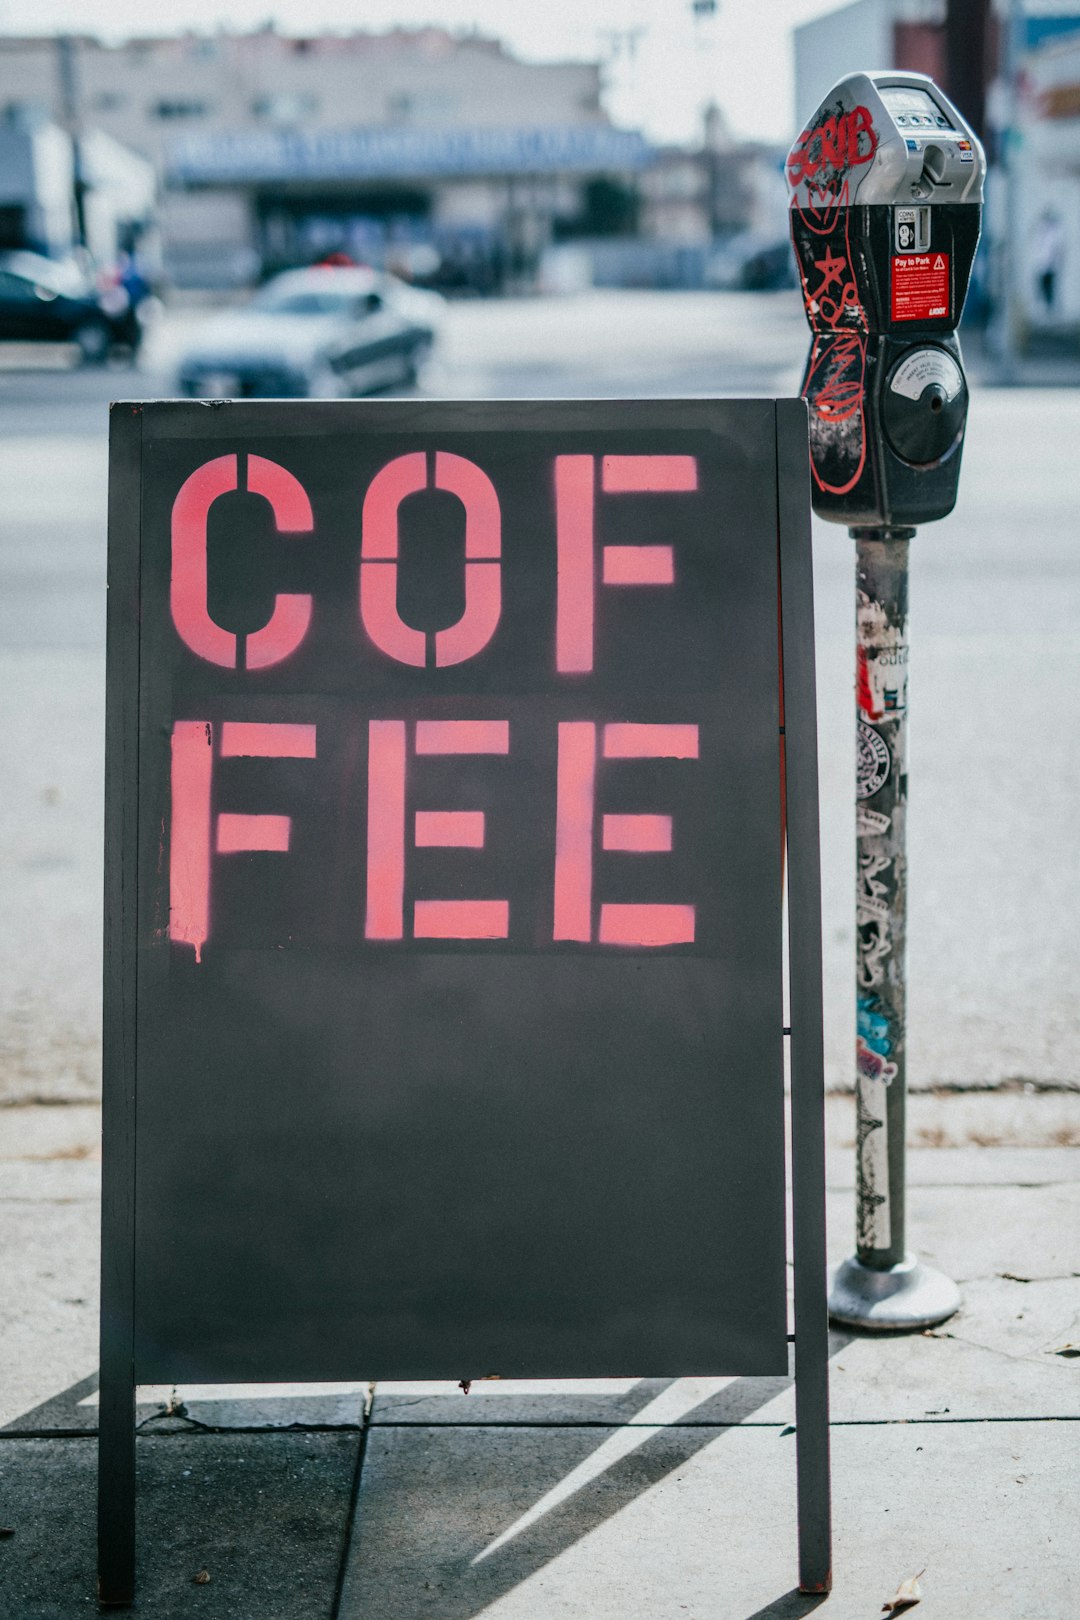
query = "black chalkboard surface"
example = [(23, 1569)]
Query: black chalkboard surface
[(444, 1013)]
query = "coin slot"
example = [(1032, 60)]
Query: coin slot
[(935, 166)]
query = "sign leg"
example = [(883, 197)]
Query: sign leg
[(799, 764), (116, 1416), (116, 1489), (812, 1466)]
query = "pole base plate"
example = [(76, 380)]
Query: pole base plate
[(903, 1299)]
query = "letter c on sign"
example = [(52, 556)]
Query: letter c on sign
[(404, 476), (288, 623)]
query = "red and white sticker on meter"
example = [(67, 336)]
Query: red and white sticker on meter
[(920, 287)]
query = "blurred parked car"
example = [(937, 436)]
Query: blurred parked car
[(324, 332), (752, 262), (49, 301)]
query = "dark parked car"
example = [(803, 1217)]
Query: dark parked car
[(46, 301), (752, 262), (324, 332)]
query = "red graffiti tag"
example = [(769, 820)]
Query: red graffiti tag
[(834, 147), (832, 299), (834, 390), (835, 375)]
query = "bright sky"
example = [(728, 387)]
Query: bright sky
[(664, 63)]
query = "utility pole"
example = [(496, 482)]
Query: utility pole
[(67, 67), (1010, 315), (967, 27)]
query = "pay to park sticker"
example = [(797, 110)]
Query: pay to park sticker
[(920, 287)]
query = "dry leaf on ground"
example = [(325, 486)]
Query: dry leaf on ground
[(908, 1593)]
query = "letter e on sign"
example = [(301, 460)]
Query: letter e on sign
[(433, 829), (639, 834)]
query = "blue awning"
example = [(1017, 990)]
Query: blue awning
[(250, 156)]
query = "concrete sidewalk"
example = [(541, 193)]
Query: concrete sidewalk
[(953, 1452)]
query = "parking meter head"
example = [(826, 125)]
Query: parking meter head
[(886, 185)]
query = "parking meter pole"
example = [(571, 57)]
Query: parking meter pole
[(880, 891), (882, 1286)]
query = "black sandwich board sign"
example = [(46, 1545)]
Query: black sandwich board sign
[(443, 1006)]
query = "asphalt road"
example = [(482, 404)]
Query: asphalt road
[(995, 771)]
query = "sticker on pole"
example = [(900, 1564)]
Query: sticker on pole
[(871, 761), (920, 287)]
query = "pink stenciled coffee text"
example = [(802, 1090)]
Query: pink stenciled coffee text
[(585, 750)]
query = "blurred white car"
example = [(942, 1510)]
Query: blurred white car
[(321, 333)]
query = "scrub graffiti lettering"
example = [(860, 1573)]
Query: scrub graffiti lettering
[(840, 142)]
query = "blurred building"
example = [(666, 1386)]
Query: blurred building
[(708, 214), (959, 43), (1048, 222), (37, 177), (713, 191), (439, 155), (413, 147), (868, 34), (57, 193), (119, 196)]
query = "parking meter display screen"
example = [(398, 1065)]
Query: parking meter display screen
[(459, 1013), (913, 108)]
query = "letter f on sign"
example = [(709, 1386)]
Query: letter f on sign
[(190, 842), (575, 501)]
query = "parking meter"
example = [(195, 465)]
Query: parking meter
[(886, 199)]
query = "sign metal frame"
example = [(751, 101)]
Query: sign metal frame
[(786, 423)]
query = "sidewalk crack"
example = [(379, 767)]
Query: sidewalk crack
[(354, 1497)]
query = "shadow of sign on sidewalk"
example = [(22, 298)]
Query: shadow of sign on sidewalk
[(430, 1529), (570, 1460)]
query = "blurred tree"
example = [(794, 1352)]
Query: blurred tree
[(609, 208)]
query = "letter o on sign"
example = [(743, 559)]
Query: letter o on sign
[(404, 476)]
